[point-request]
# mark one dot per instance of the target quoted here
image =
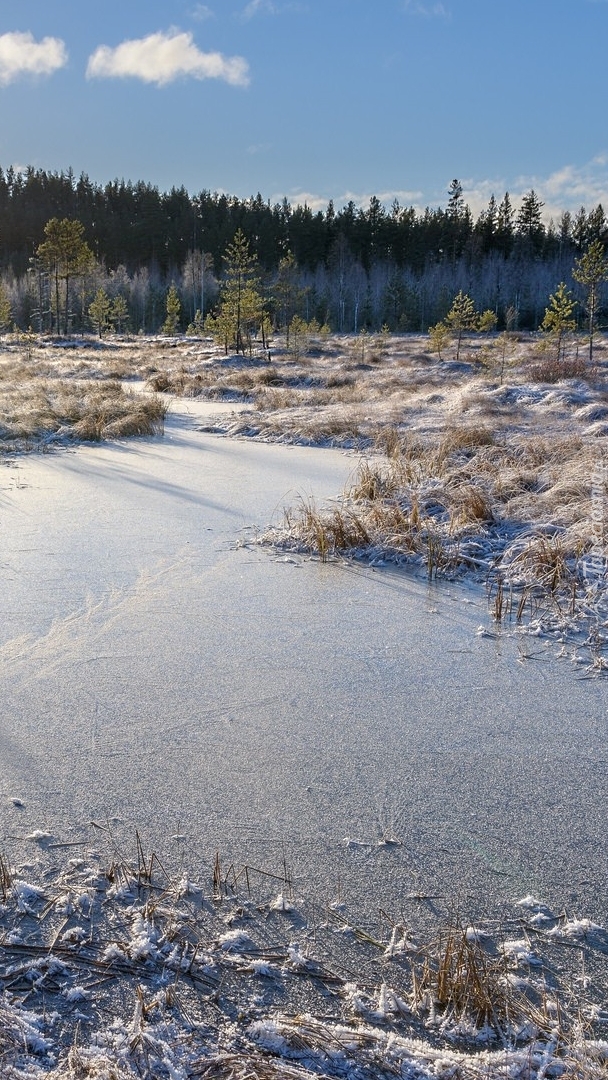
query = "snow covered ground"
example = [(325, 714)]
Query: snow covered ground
[(345, 728)]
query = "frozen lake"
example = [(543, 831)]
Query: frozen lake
[(157, 675)]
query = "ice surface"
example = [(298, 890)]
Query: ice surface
[(161, 674)]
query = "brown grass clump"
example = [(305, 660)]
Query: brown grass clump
[(551, 370), (471, 505), (466, 438), (545, 562), (373, 482), (460, 980), (328, 534), (518, 511), (37, 411)]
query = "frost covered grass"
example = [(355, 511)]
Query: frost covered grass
[(478, 467), (515, 513), (473, 467), (466, 472), (53, 399), (112, 968)]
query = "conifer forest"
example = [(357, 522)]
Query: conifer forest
[(135, 248)]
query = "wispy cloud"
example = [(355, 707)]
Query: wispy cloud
[(387, 198), (586, 183), (302, 198), (572, 186), (567, 188), (20, 55), (201, 12), (259, 148), (270, 7), (164, 57), (429, 11), (315, 201)]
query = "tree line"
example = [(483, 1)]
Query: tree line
[(348, 268)]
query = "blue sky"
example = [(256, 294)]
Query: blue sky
[(313, 99)]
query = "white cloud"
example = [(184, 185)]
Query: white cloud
[(20, 54), (255, 7), (317, 202), (269, 7), (387, 198), (301, 198), (578, 184), (163, 57), (571, 187), (568, 188)]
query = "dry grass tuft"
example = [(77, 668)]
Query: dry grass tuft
[(545, 562), (91, 1065), (36, 411), (471, 505), (328, 534), (153, 976), (462, 502), (551, 370), (466, 438), (460, 980)]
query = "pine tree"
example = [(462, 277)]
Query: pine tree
[(119, 312), (299, 337), (487, 321), (288, 292), (66, 255), (5, 309), (197, 326), (590, 270), (241, 308), (461, 318), (559, 320), (99, 311), (220, 326), (174, 310), (439, 335)]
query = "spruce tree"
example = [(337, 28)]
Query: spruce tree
[(529, 220), (504, 225), (455, 199)]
